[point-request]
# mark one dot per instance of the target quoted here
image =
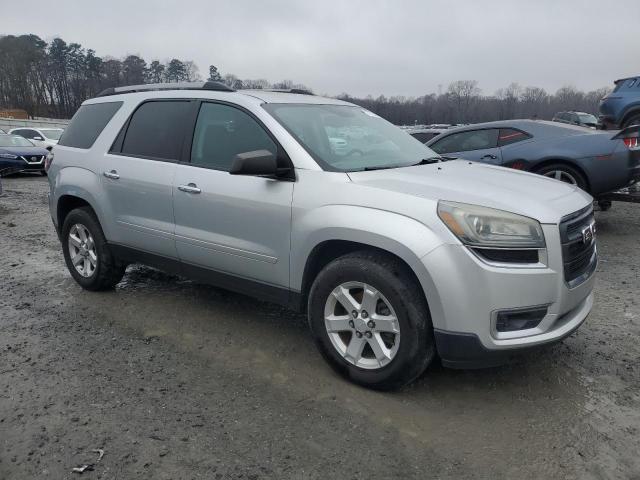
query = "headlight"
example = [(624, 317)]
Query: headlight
[(486, 227), (8, 155)]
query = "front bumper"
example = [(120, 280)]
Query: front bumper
[(33, 166), (469, 293)]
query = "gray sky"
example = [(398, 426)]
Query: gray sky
[(361, 46)]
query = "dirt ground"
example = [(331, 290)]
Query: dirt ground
[(172, 379)]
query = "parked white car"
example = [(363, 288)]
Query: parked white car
[(41, 137)]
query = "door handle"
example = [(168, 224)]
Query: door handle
[(112, 174), (492, 157), (190, 188)]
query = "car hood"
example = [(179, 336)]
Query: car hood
[(534, 196), (24, 151)]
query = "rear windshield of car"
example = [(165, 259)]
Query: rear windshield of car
[(587, 118), (14, 141), (52, 133), (87, 124)]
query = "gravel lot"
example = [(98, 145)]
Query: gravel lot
[(173, 379)]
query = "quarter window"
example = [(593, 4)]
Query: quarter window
[(222, 132), (510, 135), (156, 130), (467, 141), (87, 124)]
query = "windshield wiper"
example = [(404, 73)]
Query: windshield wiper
[(382, 167), (429, 161), (424, 161)]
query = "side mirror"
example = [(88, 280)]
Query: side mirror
[(258, 163), (37, 138)]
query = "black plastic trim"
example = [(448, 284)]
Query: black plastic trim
[(150, 87), (465, 351), (252, 288)]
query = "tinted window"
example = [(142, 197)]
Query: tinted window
[(508, 136), (87, 124), (156, 130), (26, 133), (467, 141), (222, 132)]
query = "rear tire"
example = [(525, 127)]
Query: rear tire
[(564, 173), (387, 360), (93, 265)]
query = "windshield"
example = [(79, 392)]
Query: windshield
[(52, 133), (349, 138), (588, 119), (14, 141)]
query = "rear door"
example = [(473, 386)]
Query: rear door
[(239, 225), (476, 145), (137, 175)]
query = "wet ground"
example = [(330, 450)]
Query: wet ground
[(171, 379)]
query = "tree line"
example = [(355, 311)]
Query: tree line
[(463, 102), (53, 79)]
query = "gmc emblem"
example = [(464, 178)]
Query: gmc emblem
[(588, 233)]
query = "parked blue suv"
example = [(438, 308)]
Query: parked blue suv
[(621, 108)]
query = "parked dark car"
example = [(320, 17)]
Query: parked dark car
[(596, 161), (20, 154), (621, 108), (576, 118)]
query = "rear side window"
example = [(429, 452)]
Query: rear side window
[(508, 136), (87, 124), (156, 130)]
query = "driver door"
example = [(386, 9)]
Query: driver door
[(475, 145), (233, 224)]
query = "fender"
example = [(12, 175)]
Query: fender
[(81, 183), (400, 235)]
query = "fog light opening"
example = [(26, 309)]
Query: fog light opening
[(521, 319)]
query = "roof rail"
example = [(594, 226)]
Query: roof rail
[(216, 86), (299, 91)]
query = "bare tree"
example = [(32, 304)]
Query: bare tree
[(462, 94)]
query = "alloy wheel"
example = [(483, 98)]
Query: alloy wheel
[(82, 250), (362, 325), (562, 175)]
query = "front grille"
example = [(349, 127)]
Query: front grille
[(32, 158), (579, 254)]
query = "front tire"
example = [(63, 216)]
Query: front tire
[(86, 252), (370, 320)]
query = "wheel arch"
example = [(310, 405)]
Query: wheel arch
[(562, 161), (633, 111), (399, 237), (74, 188)]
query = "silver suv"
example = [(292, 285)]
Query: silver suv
[(395, 255)]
